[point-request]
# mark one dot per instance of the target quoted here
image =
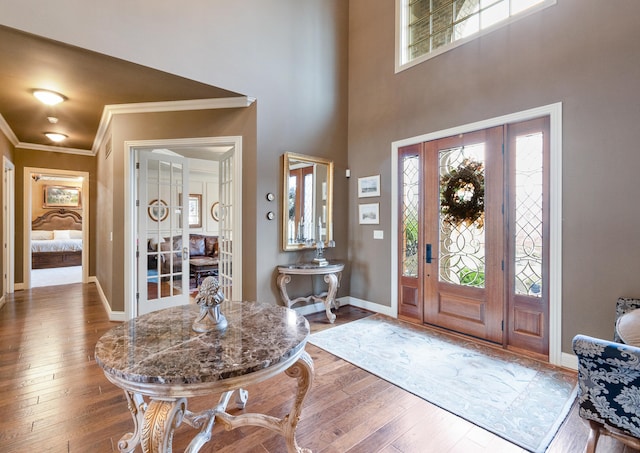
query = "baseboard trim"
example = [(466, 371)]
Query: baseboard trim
[(113, 315), (371, 306)]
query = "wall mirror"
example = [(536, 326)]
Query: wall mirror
[(307, 201)]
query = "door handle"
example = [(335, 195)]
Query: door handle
[(185, 253), (427, 254)]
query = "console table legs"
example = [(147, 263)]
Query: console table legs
[(328, 298), (156, 421)]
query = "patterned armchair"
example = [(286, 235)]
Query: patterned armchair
[(609, 389)]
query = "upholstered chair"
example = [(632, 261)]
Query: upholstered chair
[(624, 305), (609, 389)]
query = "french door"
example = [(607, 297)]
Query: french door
[(163, 232), (473, 234)]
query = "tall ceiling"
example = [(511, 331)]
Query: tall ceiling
[(89, 80)]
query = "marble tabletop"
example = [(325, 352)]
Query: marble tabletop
[(311, 268), (161, 348)]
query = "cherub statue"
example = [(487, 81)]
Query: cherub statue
[(209, 298)]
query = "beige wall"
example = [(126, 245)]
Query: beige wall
[(575, 52), (158, 126)]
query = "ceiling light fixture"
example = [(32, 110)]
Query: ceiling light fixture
[(55, 136), (48, 97)]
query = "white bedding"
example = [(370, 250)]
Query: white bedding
[(56, 245)]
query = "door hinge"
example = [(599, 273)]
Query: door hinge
[(502, 327), (137, 297), (137, 253), (137, 165), (137, 203), (502, 264)]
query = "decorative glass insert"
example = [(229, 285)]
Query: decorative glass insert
[(410, 212), (462, 236), (430, 25), (528, 215)]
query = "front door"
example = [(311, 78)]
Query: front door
[(472, 234), (163, 232)]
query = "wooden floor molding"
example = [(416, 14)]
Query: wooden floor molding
[(54, 398)]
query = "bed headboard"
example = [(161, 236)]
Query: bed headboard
[(59, 219)]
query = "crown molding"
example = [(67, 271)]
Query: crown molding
[(54, 149), (170, 106), (7, 131), (116, 109)]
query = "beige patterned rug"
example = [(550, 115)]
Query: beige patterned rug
[(516, 398)]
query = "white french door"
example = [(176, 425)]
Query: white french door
[(225, 231), (163, 232)]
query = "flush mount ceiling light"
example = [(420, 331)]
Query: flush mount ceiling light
[(48, 97), (55, 136)]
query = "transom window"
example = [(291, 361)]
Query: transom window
[(430, 27)]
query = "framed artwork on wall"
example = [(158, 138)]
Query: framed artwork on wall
[(369, 186), (195, 210), (369, 214), (62, 197)]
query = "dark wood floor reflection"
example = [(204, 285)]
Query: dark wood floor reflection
[(54, 398)]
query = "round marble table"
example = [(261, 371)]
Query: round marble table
[(332, 273), (628, 327), (159, 357)]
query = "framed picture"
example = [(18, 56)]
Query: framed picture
[(158, 210), (61, 197), (369, 186), (215, 211), (369, 214), (195, 210)]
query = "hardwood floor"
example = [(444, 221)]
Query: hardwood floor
[(54, 398)]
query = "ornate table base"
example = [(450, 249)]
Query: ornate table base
[(331, 273), (155, 422)]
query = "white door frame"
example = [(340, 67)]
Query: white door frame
[(8, 227), (26, 224), (130, 275), (554, 111)]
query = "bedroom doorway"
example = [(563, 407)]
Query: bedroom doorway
[(55, 227)]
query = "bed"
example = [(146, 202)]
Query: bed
[(56, 239)]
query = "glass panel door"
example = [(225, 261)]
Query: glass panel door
[(163, 235)]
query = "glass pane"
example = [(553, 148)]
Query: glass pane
[(409, 227), (309, 221), (462, 233), (494, 14), (528, 215)]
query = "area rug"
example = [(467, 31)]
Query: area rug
[(516, 398)]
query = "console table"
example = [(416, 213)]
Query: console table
[(158, 357), (332, 273)]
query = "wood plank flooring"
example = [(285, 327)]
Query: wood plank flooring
[(54, 398)]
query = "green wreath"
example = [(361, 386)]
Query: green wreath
[(462, 194)]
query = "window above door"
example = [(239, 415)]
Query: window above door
[(426, 28)]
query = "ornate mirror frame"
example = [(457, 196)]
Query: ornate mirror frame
[(299, 233)]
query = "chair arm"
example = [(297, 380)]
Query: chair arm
[(609, 383)]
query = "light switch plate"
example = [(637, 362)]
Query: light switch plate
[(378, 234)]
